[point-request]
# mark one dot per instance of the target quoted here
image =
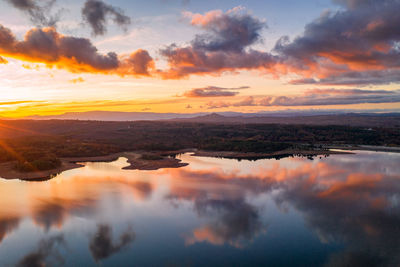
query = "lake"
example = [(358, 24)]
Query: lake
[(341, 210)]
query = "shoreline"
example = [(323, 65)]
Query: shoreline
[(278, 154), (142, 160), (8, 172), (366, 148)]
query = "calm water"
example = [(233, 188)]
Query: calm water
[(343, 210)]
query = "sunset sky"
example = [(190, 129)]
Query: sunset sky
[(190, 56)]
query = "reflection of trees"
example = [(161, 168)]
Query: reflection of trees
[(7, 225), (53, 212), (102, 245)]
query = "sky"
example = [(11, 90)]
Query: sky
[(187, 56)]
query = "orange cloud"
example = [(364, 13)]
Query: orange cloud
[(74, 54)]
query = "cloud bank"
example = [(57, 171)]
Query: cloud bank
[(358, 44), (316, 97)]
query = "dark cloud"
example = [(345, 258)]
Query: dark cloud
[(231, 31), (47, 251), (317, 97), (213, 91), (354, 41), (72, 53), (39, 11), (102, 246), (223, 47), (96, 13)]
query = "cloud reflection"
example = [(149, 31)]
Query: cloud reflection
[(347, 200), (344, 200), (50, 204), (233, 221), (47, 253), (102, 245)]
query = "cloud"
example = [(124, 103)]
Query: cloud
[(352, 78), (356, 45), (101, 245), (96, 13), (137, 63), (39, 14), (317, 97), (74, 54), (225, 45), (231, 31), (346, 46), (213, 91)]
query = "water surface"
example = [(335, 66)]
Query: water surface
[(343, 210)]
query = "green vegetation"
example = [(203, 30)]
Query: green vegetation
[(39, 164), (58, 139), (151, 157), (244, 146)]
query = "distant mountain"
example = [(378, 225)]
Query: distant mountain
[(350, 119), (322, 117), (115, 116)]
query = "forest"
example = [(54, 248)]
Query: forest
[(39, 145)]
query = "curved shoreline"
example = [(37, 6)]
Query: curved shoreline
[(8, 172), (162, 159)]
